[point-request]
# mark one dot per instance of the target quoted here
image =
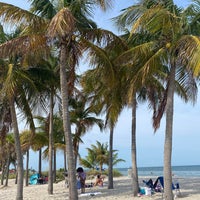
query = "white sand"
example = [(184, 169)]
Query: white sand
[(190, 190)]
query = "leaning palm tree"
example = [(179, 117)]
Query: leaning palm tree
[(15, 82), (14, 89)]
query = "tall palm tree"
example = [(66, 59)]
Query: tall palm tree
[(48, 77), (106, 93), (136, 88), (14, 89), (165, 22), (62, 28)]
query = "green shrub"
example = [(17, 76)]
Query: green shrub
[(94, 173)]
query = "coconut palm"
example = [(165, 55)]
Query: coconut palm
[(167, 51), (14, 89), (46, 75), (7, 156), (58, 139), (83, 118), (62, 28), (26, 140), (41, 138), (106, 93), (96, 156), (136, 88), (101, 153)]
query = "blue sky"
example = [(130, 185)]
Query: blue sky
[(150, 150)]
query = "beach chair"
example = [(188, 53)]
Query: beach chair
[(160, 181), (149, 183), (158, 186)]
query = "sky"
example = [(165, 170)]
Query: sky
[(150, 145)]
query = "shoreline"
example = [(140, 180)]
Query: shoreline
[(189, 188)]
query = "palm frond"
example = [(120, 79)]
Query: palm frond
[(44, 8), (62, 24), (188, 51), (32, 44), (16, 16)]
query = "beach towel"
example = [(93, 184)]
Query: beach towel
[(34, 179), (90, 194)]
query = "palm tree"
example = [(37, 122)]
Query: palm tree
[(11, 158), (40, 140), (83, 118), (98, 155), (101, 153), (26, 140), (45, 72), (62, 27), (168, 51), (14, 84), (136, 88), (7, 156), (58, 138), (106, 93)]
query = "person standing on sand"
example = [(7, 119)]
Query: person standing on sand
[(81, 179)]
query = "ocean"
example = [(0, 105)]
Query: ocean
[(180, 171)]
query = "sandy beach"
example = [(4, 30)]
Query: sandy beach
[(190, 190)]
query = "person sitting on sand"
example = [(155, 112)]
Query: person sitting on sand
[(99, 181)]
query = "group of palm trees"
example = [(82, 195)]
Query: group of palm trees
[(156, 56)]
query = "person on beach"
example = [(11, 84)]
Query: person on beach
[(81, 176), (65, 174), (99, 181)]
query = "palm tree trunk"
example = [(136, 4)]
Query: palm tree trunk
[(110, 165), (40, 162), (65, 160), (3, 174), (20, 170), (16, 178), (73, 194), (54, 163), (27, 166), (50, 175), (133, 150), (168, 195), (76, 150), (7, 170)]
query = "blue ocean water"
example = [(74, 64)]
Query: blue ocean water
[(180, 171)]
